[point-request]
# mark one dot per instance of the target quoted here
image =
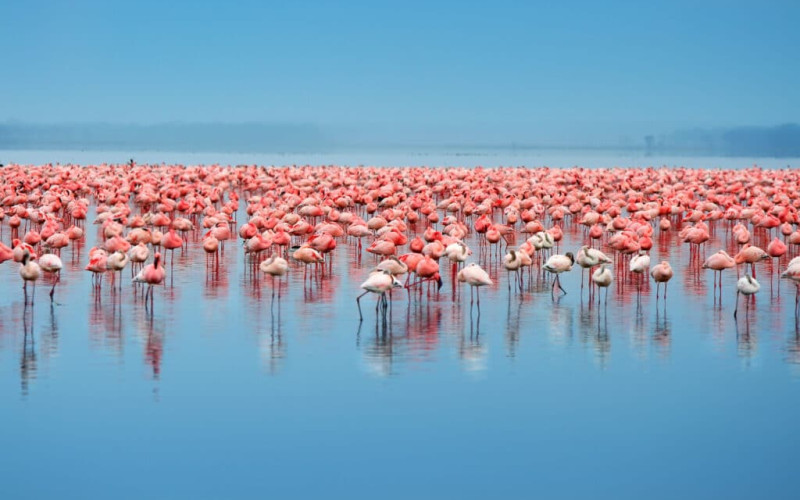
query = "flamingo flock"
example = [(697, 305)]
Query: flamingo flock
[(418, 224)]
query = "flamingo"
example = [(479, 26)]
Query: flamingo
[(457, 253), (718, 262), (116, 262), (307, 256), (589, 257), (747, 286), (171, 241), (750, 254), (210, 246), (378, 282), (640, 264), (152, 274), (51, 263), (661, 273), (274, 266), (427, 269), (475, 277), (138, 255), (602, 277), (97, 265), (29, 271), (512, 262), (394, 265), (558, 264)]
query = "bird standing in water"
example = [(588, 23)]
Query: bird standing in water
[(589, 257), (152, 274), (747, 286), (640, 264), (379, 282), (513, 262), (602, 277), (661, 273), (475, 277), (558, 264), (718, 262), (51, 263), (115, 263), (29, 271), (274, 266)]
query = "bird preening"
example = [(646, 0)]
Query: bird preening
[(379, 282), (747, 286)]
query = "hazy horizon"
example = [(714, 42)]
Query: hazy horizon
[(759, 142)]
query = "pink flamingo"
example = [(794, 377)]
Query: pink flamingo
[(152, 274), (662, 273)]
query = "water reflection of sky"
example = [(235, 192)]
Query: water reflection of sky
[(233, 392)]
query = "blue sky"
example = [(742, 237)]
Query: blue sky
[(476, 70)]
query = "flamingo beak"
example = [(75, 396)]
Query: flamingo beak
[(439, 281)]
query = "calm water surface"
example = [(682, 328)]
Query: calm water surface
[(222, 393)]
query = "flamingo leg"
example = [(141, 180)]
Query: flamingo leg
[(358, 301), (52, 290), (558, 281)]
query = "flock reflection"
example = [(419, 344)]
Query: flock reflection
[(231, 301)]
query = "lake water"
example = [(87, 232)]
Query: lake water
[(221, 393), (432, 157)]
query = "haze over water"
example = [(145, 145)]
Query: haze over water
[(223, 393)]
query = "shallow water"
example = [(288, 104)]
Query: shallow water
[(222, 392), (431, 157)]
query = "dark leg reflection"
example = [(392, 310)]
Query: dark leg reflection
[(662, 335), (602, 340), (746, 342), (272, 347), (27, 366), (513, 326)]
